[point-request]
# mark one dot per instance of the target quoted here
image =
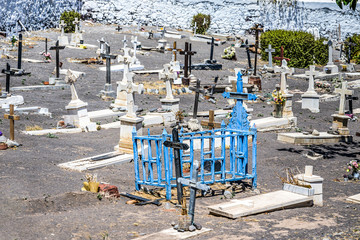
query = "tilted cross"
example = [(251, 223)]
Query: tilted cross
[(270, 51), (8, 73), (311, 74), (76, 22), (19, 50), (57, 48), (284, 70), (239, 116), (246, 45), (197, 91), (257, 29), (130, 87), (12, 117), (108, 57), (187, 53), (194, 185), (62, 25), (177, 146), (281, 58), (343, 92), (212, 43), (351, 45), (330, 44), (174, 50), (168, 76)]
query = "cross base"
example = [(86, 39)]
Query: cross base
[(194, 125), (56, 81), (75, 39), (107, 94), (126, 127), (255, 80), (340, 124), (63, 40), (170, 104), (310, 100), (330, 68)]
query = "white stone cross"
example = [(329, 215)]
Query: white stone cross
[(71, 78), (168, 76), (62, 25), (195, 28), (76, 22), (311, 74), (129, 87), (125, 42), (102, 44), (330, 43), (134, 42), (270, 51), (284, 70), (343, 92), (127, 61)]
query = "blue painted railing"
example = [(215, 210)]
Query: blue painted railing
[(154, 162)]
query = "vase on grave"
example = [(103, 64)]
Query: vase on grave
[(278, 111)]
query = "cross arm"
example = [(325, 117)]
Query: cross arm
[(13, 117), (193, 184), (56, 47), (176, 145), (239, 96), (197, 90), (210, 124)]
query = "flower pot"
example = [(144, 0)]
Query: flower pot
[(3, 146), (278, 112), (356, 175), (94, 187)]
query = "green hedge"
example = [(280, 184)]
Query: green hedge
[(300, 47), (69, 17), (201, 25), (355, 51)]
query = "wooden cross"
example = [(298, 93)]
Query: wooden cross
[(62, 25), (343, 92), (108, 57), (211, 124), (257, 29), (282, 56), (57, 48), (174, 50), (12, 118), (270, 51), (187, 53), (197, 91), (8, 73)]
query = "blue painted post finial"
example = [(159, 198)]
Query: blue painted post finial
[(239, 82)]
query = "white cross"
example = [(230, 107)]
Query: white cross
[(102, 43), (125, 42), (311, 74), (62, 25), (76, 22), (270, 51), (129, 87), (343, 92), (195, 27), (127, 60), (134, 42), (330, 43), (284, 70), (168, 76)]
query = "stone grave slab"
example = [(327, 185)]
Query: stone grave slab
[(15, 100), (273, 124), (97, 161), (302, 139), (53, 131), (148, 71), (120, 68), (111, 125), (352, 75), (216, 113), (104, 113), (40, 87), (172, 234), (260, 203), (354, 199)]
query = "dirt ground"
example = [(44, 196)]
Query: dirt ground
[(41, 201)]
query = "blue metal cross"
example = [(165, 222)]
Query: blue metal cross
[(239, 119)]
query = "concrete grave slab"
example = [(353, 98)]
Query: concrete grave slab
[(53, 131), (104, 113), (302, 139), (260, 203), (91, 163), (40, 87), (120, 68), (354, 199), (273, 124), (172, 234)]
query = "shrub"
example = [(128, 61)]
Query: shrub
[(355, 50), (201, 25), (69, 17), (301, 47)]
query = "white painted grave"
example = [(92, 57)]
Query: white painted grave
[(310, 99)]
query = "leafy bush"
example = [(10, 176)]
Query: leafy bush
[(201, 25), (301, 47), (355, 50), (69, 17)]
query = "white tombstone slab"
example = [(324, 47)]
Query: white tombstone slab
[(169, 102), (310, 99), (63, 40), (340, 120)]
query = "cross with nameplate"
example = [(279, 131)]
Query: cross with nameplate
[(8, 73), (197, 91), (108, 57), (57, 48), (62, 25), (330, 44), (187, 53), (270, 50), (343, 91), (12, 117), (174, 50), (239, 116), (76, 22)]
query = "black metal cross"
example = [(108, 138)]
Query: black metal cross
[(108, 62), (350, 98), (212, 43), (189, 67), (187, 53), (8, 73), (118, 28), (350, 46), (46, 46), (197, 91), (19, 50), (246, 46), (177, 146), (257, 29), (57, 48)]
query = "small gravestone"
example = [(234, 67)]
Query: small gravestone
[(77, 114), (330, 67), (77, 36), (169, 102), (310, 99), (285, 70), (340, 120), (63, 40), (270, 50)]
